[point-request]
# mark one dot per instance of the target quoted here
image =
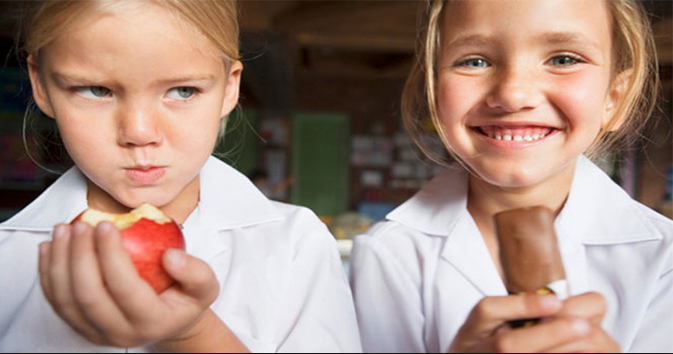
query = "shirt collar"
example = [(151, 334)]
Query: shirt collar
[(60, 203), (436, 208), (228, 200), (598, 211)]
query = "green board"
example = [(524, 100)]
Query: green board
[(320, 162)]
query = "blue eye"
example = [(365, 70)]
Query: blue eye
[(181, 93), (563, 60), (474, 63), (94, 91)]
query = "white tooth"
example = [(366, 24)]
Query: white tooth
[(518, 138), (498, 137), (536, 136), (528, 138), (542, 136), (507, 137)]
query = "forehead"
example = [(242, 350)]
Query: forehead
[(132, 20), (527, 19), (132, 40)]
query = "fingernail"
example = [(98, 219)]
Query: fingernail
[(581, 326), (105, 227), (44, 248), (550, 301), (59, 231), (176, 257), (79, 228)]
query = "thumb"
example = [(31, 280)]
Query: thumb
[(493, 312), (194, 277), (590, 306)]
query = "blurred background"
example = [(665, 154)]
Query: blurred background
[(320, 124)]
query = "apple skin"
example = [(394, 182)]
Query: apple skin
[(146, 241)]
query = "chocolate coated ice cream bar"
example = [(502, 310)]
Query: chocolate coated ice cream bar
[(529, 252)]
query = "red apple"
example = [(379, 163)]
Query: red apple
[(146, 232)]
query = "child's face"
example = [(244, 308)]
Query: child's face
[(138, 97), (524, 86)]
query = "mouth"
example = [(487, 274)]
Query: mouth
[(145, 175), (515, 134)]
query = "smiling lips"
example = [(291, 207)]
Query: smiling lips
[(526, 134)]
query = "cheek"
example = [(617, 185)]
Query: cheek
[(198, 131), (80, 137), (455, 98), (581, 99)]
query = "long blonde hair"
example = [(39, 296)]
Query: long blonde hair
[(633, 49)]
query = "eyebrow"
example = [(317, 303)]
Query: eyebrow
[(63, 79), (548, 37), (188, 78), (567, 38), (71, 78), (471, 40)]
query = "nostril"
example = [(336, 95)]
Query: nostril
[(138, 136), (137, 127)]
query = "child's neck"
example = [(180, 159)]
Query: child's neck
[(485, 200)]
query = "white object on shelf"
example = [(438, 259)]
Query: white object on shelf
[(345, 247)]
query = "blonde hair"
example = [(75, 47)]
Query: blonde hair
[(633, 49), (217, 20)]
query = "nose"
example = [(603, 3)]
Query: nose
[(515, 89), (138, 125)]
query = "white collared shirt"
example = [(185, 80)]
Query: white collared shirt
[(282, 284), (417, 275)]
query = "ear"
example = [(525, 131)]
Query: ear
[(613, 100), (39, 93), (232, 89)]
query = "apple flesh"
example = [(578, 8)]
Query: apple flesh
[(146, 233)]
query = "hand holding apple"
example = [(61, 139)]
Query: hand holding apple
[(91, 282), (146, 234)]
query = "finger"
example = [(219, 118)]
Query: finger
[(61, 279), (194, 277), (543, 336), (58, 270), (43, 270), (493, 312), (196, 289), (132, 294), (596, 341), (89, 289), (591, 306)]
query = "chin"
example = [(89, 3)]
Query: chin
[(158, 198), (554, 178), (513, 177)]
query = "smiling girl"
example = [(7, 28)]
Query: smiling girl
[(519, 91)]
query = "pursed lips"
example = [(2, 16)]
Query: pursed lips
[(145, 174)]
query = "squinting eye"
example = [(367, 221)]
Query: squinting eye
[(94, 91), (474, 63), (563, 60), (181, 93)]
